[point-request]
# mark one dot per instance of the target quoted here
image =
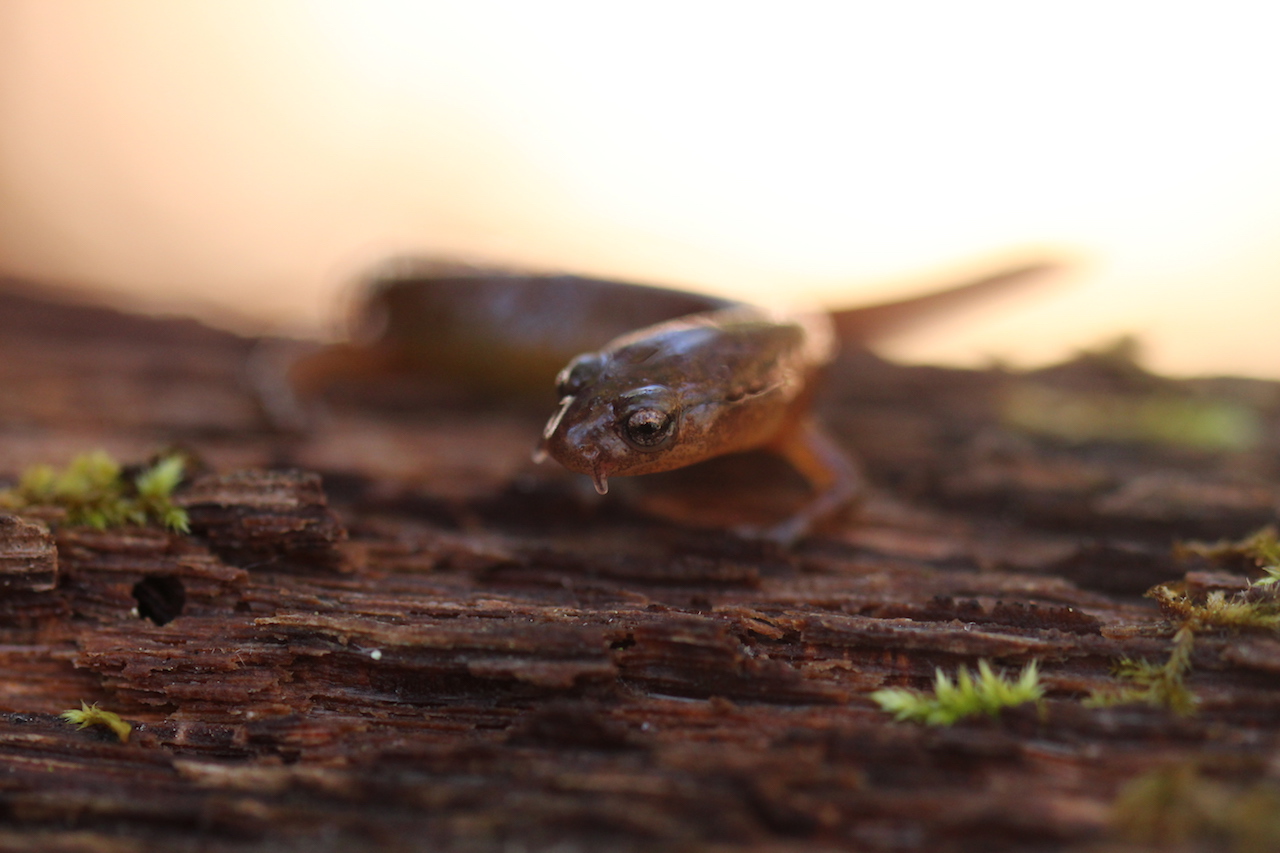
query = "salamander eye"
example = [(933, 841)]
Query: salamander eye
[(578, 374), (648, 429)]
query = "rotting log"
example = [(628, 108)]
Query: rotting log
[(392, 632)]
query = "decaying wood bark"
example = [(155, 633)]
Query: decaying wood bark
[(392, 632)]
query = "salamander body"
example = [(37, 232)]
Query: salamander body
[(656, 379)]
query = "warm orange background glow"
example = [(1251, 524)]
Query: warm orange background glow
[(249, 156)]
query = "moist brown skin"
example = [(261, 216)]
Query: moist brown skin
[(737, 379), (695, 388), (704, 377), (501, 334)]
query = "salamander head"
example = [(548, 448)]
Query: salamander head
[(608, 424)]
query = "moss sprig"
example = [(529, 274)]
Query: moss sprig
[(1262, 547), (91, 715), (1178, 807), (1256, 608), (967, 696), (1159, 684), (95, 490)]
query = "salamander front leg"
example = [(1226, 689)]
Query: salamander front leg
[(834, 477)]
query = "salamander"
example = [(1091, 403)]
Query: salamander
[(649, 379)]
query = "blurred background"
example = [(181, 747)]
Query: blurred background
[(245, 159)]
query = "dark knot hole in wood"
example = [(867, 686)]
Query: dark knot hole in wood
[(160, 598)]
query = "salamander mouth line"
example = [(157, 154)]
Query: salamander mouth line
[(540, 452), (554, 423)]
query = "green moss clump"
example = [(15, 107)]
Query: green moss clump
[(95, 490), (1261, 547), (967, 696), (1178, 807), (1256, 608), (1160, 418), (1163, 685)]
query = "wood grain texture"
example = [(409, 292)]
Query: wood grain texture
[(392, 632)]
